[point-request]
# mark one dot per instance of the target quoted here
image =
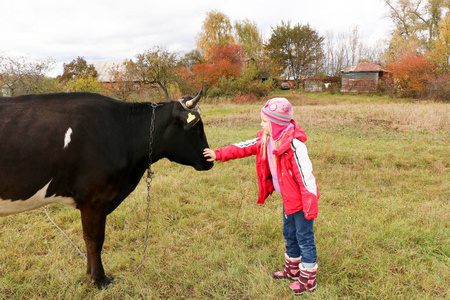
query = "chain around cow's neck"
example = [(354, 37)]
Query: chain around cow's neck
[(148, 180)]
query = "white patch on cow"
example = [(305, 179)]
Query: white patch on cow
[(9, 207), (67, 137)]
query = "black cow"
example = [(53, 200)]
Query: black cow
[(89, 151)]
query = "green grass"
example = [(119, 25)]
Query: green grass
[(382, 233)]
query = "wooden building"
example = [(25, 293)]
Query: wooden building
[(364, 77)]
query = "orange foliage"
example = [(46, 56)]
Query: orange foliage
[(411, 74), (224, 61), (186, 81), (122, 84)]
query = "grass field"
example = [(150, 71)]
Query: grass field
[(383, 231)]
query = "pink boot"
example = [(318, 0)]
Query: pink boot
[(291, 270), (306, 282)]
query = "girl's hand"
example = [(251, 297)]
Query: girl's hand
[(209, 153)]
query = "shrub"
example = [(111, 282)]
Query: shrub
[(260, 89), (411, 75)]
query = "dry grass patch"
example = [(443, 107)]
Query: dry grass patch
[(389, 116)]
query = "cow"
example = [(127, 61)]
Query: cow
[(89, 151)]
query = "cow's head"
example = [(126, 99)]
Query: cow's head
[(185, 138)]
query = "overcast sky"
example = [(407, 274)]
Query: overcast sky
[(113, 29)]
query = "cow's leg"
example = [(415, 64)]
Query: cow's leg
[(93, 221)]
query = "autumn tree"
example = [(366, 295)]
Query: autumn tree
[(84, 84), (77, 69), (216, 30), (440, 54), (416, 24), (79, 76), (23, 75), (185, 80), (411, 75), (249, 38), (191, 58), (156, 66), (296, 49), (223, 62), (123, 83)]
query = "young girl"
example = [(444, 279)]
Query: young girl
[(283, 165)]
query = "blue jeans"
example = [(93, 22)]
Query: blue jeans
[(299, 235)]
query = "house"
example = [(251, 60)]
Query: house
[(364, 77), (104, 69), (121, 80)]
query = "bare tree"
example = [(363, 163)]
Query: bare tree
[(23, 75), (344, 49)]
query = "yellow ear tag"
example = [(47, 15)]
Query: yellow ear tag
[(190, 118)]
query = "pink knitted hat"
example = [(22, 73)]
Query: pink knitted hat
[(279, 112)]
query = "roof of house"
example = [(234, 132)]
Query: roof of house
[(104, 68), (365, 67)]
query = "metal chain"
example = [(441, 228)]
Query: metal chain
[(148, 180)]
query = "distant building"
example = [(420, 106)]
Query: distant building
[(107, 79), (104, 69), (363, 78)]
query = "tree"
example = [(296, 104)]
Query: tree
[(297, 49), (411, 75), (224, 62), (249, 38), (122, 84), (216, 30), (79, 76), (251, 41), (22, 75), (191, 58), (156, 66), (84, 84), (440, 54), (344, 49), (415, 22), (76, 69), (186, 81)]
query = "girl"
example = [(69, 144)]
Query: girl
[(283, 165)]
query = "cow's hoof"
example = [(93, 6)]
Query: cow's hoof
[(104, 283)]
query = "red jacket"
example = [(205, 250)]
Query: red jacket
[(295, 174)]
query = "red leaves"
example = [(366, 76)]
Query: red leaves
[(224, 61), (411, 74)]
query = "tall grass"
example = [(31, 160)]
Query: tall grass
[(382, 231)]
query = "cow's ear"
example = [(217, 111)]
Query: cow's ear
[(191, 119), (188, 119)]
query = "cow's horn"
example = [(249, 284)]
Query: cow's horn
[(190, 104)]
